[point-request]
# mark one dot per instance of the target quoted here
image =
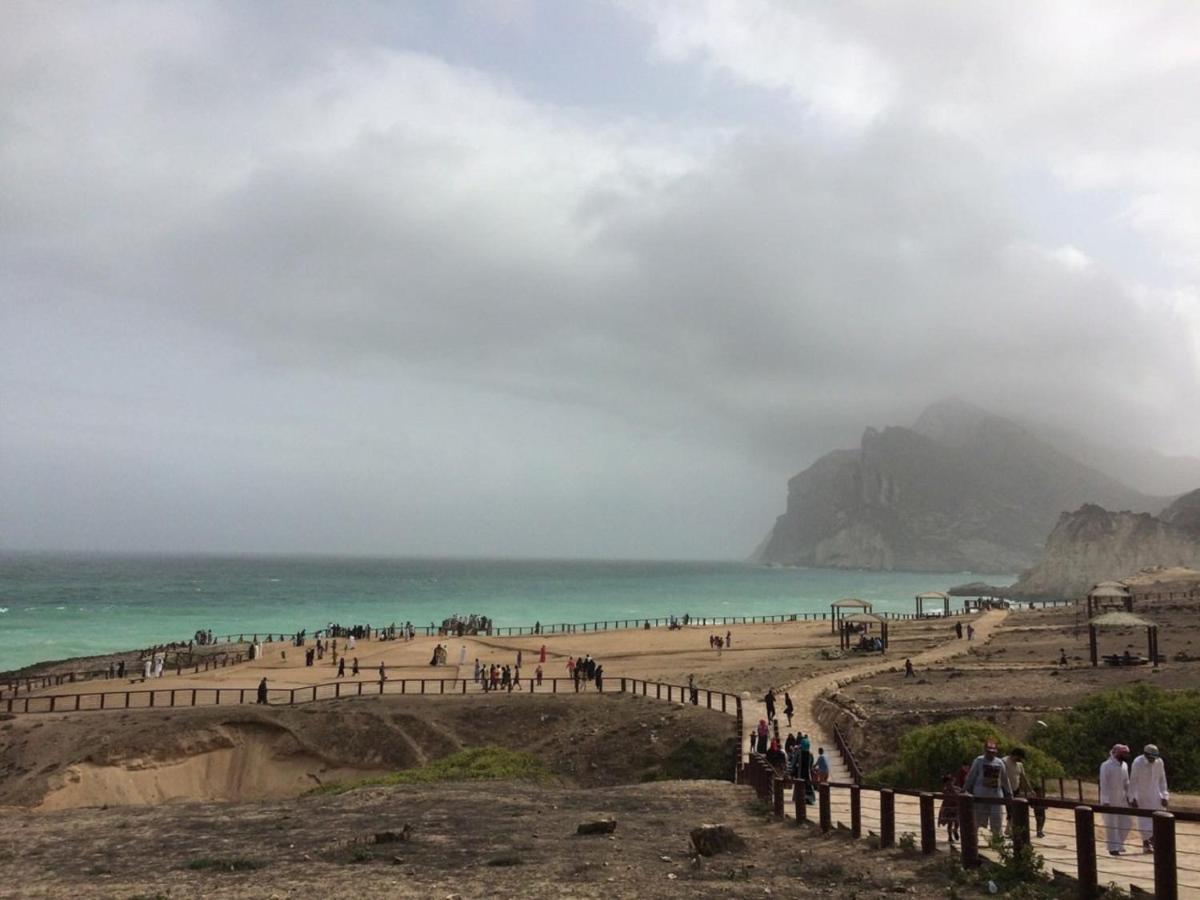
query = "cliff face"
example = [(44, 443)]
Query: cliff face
[(961, 490), (1092, 545)]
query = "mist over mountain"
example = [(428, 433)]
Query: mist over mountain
[(962, 489)]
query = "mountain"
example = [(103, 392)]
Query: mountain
[(962, 489), (1092, 545), (1128, 461)]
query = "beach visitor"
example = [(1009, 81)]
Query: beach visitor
[(769, 700), (693, 693), (262, 690), (354, 666), (542, 654), (146, 668), (958, 634), (804, 769), (1148, 790), (341, 667), (1114, 791), (600, 679), (462, 654), (821, 767), (728, 639), (382, 672), (763, 733), (970, 632), (948, 812), (788, 709), (908, 669), (789, 744), (777, 758), (518, 658), (988, 779), (350, 642), (1014, 767)]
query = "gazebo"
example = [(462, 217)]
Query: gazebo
[(866, 619), (1123, 620), (835, 610), (1109, 594), (933, 597)]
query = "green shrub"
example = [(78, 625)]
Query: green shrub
[(927, 753), (473, 764), (693, 760), (1137, 715)]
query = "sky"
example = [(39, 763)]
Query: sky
[(589, 279)]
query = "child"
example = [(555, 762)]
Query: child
[(948, 813)]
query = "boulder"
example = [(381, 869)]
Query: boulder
[(600, 826), (712, 839)]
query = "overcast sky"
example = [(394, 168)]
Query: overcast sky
[(567, 279)]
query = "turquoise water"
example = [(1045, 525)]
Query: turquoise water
[(61, 606)]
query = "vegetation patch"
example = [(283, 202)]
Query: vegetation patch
[(694, 760), (1137, 715), (473, 764), (927, 753)]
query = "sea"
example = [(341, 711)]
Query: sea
[(60, 606)]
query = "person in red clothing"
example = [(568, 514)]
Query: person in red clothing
[(542, 654)]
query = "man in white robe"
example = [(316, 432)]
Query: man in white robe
[(1148, 790), (1114, 791)]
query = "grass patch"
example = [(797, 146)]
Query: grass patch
[(473, 764), (224, 865), (694, 759)]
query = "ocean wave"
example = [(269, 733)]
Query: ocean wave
[(3, 609)]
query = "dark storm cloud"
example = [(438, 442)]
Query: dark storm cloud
[(375, 268)]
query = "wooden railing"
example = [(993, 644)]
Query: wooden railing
[(839, 741), (13, 686), (1162, 868)]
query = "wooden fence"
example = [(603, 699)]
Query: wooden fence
[(13, 686), (1169, 868)]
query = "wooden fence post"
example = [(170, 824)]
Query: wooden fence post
[(887, 818), (1166, 879), (800, 799), (823, 805), (968, 834), (777, 790), (1085, 851), (1018, 810), (855, 811), (928, 824)]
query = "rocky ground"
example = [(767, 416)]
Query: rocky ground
[(466, 840)]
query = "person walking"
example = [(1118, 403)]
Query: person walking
[(1148, 790), (820, 767), (988, 780), (462, 654), (769, 700), (804, 769), (763, 733), (354, 667), (1014, 766), (1114, 791), (341, 667), (970, 632), (958, 630), (788, 708), (262, 690), (908, 669), (542, 654), (948, 812)]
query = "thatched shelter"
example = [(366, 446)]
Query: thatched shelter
[(933, 597), (1123, 620), (866, 620), (835, 610), (1109, 595)]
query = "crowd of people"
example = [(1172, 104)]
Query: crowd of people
[(716, 642), (991, 777), (459, 625)]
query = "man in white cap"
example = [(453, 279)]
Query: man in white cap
[(1148, 790), (1114, 791)]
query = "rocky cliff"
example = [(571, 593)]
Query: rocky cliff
[(961, 490), (1092, 545)]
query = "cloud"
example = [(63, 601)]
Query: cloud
[(396, 290)]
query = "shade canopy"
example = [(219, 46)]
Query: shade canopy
[(851, 602), (1120, 620), (1100, 592), (932, 595), (863, 618)]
